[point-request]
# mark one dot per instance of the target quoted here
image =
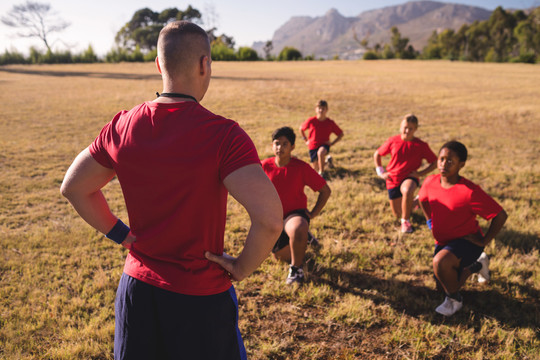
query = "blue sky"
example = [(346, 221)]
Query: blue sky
[(96, 22)]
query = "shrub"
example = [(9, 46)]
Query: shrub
[(12, 57), (370, 55), (247, 54), (221, 52), (289, 53)]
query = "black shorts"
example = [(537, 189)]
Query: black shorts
[(283, 239), (395, 193), (313, 153), (153, 323), (465, 251)]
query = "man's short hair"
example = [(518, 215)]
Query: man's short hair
[(284, 131), (180, 47)]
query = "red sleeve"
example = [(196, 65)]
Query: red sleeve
[(237, 151), (336, 129), (429, 155), (99, 147), (305, 125), (385, 148), (312, 178), (423, 193), (484, 205)]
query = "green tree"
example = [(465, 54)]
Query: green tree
[(247, 54), (268, 47), (144, 27), (501, 29), (289, 53), (36, 19), (399, 44), (221, 52), (527, 33)]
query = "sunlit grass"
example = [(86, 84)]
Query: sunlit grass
[(370, 291)]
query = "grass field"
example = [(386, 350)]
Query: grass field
[(370, 292)]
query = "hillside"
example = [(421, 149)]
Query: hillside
[(334, 34)]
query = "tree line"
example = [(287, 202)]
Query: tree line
[(505, 36)]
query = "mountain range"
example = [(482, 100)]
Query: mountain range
[(336, 35)]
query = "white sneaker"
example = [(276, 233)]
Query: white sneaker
[(330, 161), (483, 274), (449, 307)]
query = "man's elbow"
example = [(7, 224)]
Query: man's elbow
[(65, 190)]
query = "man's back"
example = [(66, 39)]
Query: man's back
[(170, 160)]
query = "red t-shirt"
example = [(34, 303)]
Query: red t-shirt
[(171, 160), (290, 180), (319, 131), (454, 210), (406, 157)]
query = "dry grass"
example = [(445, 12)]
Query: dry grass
[(366, 298)]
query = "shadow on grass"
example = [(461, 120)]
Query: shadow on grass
[(419, 300), (119, 76), (520, 241)]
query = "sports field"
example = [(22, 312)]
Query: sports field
[(370, 292)]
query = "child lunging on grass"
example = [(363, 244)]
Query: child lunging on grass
[(319, 128), (401, 174), (450, 204), (289, 176)]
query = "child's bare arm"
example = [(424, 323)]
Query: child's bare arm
[(494, 228), (339, 137), (324, 194), (377, 158)]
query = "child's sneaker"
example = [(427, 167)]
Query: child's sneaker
[(296, 275), (312, 240), (406, 227), (329, 161), (449, 307), (483, 274)]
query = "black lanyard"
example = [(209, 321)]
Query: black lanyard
[(176, 95)]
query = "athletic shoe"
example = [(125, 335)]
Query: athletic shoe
[(483, 274), (406, 227), (329, 161), (296, 275), (312, 240), (449, 307)]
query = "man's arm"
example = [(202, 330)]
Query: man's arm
[(324, 194), (251, 187), (82, 187)]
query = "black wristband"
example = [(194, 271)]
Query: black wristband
[(119, 232)]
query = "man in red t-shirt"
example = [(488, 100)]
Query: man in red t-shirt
[(290, 175), (319, 129), (176, 162), (401, 174), (451, 204)]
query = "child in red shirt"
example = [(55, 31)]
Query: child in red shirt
[(450, 204), (319, 129), (401, 173), (289, 176)]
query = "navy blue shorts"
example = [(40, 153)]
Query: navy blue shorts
[(465, 251), (395, 193), (152, 323), (284, 238), (313, 153)]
